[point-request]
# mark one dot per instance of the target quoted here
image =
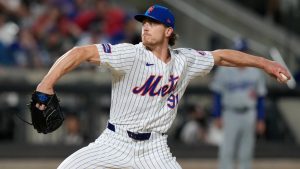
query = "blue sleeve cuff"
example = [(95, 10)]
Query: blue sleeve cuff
[(217, 105), (260, 108)]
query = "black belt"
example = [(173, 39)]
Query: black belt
[(135, 136)]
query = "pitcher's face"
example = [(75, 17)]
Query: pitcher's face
[(153, 33)]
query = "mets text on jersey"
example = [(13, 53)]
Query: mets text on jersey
[(150, 88)]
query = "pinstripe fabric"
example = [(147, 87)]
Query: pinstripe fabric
[(117, 150), (145, 97), (144, 113)]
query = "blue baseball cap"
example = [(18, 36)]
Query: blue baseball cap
[(240, 44), (158, 13)]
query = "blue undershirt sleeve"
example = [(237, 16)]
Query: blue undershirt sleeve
[(217, 105), (260, 107)]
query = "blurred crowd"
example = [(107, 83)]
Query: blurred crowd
[(34, 33)]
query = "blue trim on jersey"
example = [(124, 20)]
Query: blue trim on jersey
[(173, 101), (106, 48), (217, 105), (201, 52), (260, 107)]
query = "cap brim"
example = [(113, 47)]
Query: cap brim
[(142, 17)]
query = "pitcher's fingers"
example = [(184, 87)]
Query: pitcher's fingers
[(40, 106)]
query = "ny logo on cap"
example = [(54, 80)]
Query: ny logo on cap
[(150, 9)]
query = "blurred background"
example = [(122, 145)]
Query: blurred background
[(34, 33)]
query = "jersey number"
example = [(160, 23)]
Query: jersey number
[(172, 101)]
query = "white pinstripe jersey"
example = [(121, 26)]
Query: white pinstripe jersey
[(145, 90)]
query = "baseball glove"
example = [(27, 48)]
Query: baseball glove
[(47, 120)]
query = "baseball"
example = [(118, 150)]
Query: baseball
[(284, 77)]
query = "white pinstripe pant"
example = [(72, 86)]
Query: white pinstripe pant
[(117, 150)]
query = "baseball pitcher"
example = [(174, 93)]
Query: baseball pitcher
[(148, 81)]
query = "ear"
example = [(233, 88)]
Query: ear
[(169, 31)]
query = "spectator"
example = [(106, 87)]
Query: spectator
[(8, 31), (26, 52), (73, 135), (34, 33), (194, 129), (51, 27)]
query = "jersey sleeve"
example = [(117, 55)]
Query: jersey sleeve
[(119, 58), (199, 63)]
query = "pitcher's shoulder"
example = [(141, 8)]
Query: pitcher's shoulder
[(189, 51), (183, 50)]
